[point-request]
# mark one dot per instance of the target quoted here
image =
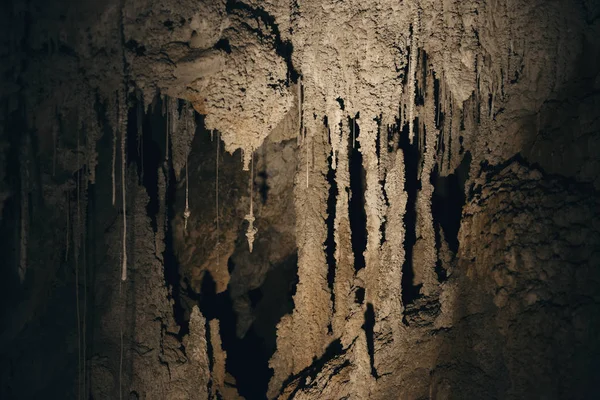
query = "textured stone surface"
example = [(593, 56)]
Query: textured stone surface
[(408, 109)]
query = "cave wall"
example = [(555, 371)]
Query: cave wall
[(422, 177)]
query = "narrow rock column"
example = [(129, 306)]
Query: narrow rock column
[(425, 253), (388, 321), (303, 335), (344, 258), (373, 205)]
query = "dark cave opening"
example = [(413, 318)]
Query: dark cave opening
[(248, 356), (412, 158), (448, 201), (356, 205)]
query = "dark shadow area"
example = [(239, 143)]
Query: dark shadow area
[(330, 222), (368, 328), (356, 206), (308, 374), (412, 158), (449, 199), (248, 357)]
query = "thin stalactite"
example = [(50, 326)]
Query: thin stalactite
[(251, 231), (123, 131), (217, 203)]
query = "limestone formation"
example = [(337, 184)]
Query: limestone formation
[(299, 200)]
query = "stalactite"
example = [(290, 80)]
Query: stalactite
[(303, 335), (493, 94), (307, 145), (186, 213), (424, 253), (389, 313), (353, 133), (344, 258), (85, 293), (121, 344), (182, 131), (114, 153), (218, 245), (217, 202), (447, 129), (382, 150), (140, 133), (373, 203), (247, 158), (299, 110), (333, 148), (76, 239), (411, 73), (166, 111), (123, 131), (251, 231), (161, 217)]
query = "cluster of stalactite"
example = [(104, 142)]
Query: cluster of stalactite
[(433, 121)]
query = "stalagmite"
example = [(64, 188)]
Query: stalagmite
[(218, 360), (197, 350), (252, 231)]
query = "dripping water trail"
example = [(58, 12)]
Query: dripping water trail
[(356, 206)]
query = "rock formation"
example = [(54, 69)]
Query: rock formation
[(306, 199)]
